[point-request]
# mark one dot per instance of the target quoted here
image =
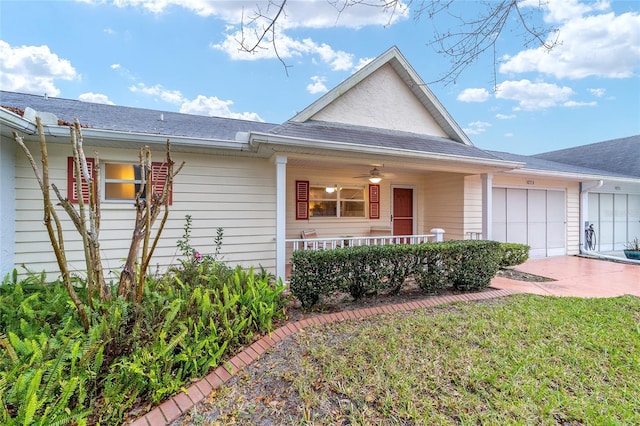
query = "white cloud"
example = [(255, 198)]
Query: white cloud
[(592, 43), (297, 14), (505, 117), (476, 127), (212, 106), (97, 98), (362, 62), (557, 11), (317, 85), (474, 95), (115, 66), (32, 69), (300, 14), (201, 105), (572, 104), (533, 96), (508, 135), (288, 48), (598, 93)]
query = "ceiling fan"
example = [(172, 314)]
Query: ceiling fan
[(374, 175)]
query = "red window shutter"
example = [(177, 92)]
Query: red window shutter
[(72, 188), (159, 174), (302, 200), (374, 201)]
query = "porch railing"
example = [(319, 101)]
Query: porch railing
[(340, 242)]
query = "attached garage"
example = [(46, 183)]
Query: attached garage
[(616, 219), (536, 217)]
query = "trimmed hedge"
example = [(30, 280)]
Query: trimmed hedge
[(467, 265), (513, 254)]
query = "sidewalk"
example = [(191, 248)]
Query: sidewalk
[(576, 276)]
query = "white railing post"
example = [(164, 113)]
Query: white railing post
[(439, 233)]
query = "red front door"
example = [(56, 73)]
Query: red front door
[(402, 211)]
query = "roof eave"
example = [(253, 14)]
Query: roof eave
[(257, 139), (572, 175), (102, 137)]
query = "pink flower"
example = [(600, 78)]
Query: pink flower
[(197, 255)]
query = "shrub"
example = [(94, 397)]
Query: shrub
[(476, 263), (53, 372), (360, 270), (513, 254)]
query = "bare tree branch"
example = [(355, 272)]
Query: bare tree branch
[(463, 45), (51, 220)]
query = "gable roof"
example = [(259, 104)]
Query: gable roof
[(617, 156), (133, 120), (409, 76)]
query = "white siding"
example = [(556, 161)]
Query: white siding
[(237, 194), (472, 204), (382, 100), (7, 205), (444, 204)]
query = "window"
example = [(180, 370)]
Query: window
[(122, 181), (336, 201)]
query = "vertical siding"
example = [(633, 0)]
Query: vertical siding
[(237, 194)]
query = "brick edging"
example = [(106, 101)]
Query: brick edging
[(179, 404)]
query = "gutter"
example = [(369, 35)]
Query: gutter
[(15, 122), (91, 135), (575, 175)]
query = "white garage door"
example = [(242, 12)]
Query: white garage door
[(531, 216), (616, 219)]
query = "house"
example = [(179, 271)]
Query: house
[(266, 183)]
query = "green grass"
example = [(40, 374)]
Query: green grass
[(519, 360)]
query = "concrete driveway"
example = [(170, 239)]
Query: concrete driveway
[(576, 276)]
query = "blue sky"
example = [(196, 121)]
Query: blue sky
[(182, 55)]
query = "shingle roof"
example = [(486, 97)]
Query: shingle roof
[(618, 156), (136, 120), (535, 163), (367, 136)]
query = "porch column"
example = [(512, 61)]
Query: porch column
[(281, 215), (487, 206)]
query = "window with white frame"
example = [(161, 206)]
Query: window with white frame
[(336, 201), (122, 181)]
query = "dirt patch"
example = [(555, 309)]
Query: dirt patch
[(514, 274)]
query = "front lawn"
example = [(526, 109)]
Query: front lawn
[(519, 360)]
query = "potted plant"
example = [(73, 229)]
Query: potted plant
[(632, 249)]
